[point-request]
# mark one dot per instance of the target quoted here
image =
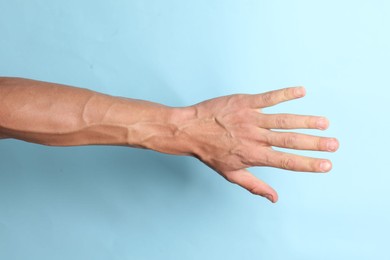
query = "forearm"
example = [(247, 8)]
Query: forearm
[(54, 114)]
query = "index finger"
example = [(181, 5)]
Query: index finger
[(275, 97)]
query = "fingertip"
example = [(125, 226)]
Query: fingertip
[(276, 198), (272, 196), (251, 183), (333, 145), (326, 166), (337, 144), (299, 91), (269, 197), (322, 123)]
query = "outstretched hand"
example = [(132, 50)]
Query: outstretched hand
[(231, 134)]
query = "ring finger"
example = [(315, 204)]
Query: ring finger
[(302, 141), (294, 162)]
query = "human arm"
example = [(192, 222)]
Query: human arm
[(229, 134)]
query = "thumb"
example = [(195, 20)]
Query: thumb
[(251, 183)]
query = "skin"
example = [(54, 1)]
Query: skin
[(229, 133)]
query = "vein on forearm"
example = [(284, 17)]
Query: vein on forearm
[(53, 114)]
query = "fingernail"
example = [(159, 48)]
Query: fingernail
[(325, 166), (299, 91), (269, 197), (332, 145), (322, 123)]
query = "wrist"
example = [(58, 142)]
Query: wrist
[(161, 129)]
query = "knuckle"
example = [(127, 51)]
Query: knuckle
[(290, 141), (287, 163), (268, 159), (240, 97), (281, 122), (315, 165), (321, 144), (265, 158), (231, 100), (311, 122), (267, 138), (240, 101), (287, 93)]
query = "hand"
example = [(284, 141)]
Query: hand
[(231, 133)]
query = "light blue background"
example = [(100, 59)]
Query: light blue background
[(121, 203)]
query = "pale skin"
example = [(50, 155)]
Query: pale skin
[(229, 133)]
